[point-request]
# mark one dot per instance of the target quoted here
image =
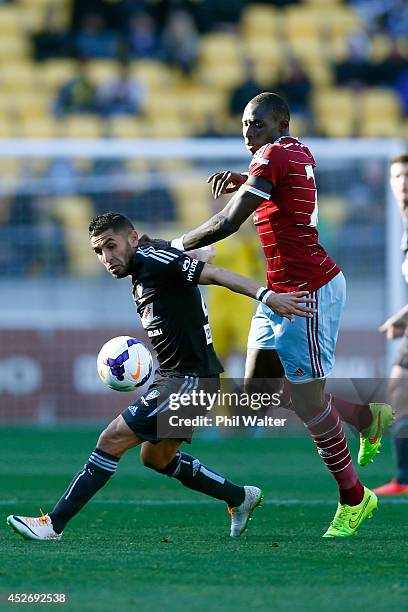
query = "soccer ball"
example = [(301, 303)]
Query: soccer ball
[(124, 363)]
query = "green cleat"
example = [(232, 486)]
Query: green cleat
[(348, 518), (370, 438)]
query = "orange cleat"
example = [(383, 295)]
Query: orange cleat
[(392, 488)]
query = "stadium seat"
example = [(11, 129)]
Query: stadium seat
[(379, 103), (222, 77), (191, 215), (14, 48), (219, 48), (45, 127), (84, 126), (126, 127), (169, 128), (10, 168), (10, 20), (154, 74), (101, 71), (334, 111), (379, 127), (55, 73), (301, 22), (258, 20), (19, 76), (75, 214), (30, 105)]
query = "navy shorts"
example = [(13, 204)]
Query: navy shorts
[(149, 416)]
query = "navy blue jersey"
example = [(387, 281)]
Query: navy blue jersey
[(173, 311)]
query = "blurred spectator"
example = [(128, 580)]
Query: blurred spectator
[(78, 95), (155, 204), (51, 41), (295, 87), (94, 40), (122, 95), (396, 19), (212, 128), (143, 39), (387, 72), (354, 70), (179, 41), (245, 91), (116, 13)]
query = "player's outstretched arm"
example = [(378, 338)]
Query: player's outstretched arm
[(223, 224), (226, 182), (284, 304)]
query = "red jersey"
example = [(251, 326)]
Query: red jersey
[(287, 220)]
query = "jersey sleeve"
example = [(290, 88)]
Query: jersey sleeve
[(269, 163)]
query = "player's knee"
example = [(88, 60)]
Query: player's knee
[(113, 440), (160, 462)]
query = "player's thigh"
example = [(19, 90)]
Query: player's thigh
[(117, 438), (263, 371), (307, 398), (398, 390), (158, 456), (306, 346)]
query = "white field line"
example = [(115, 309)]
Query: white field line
[(399, 501)]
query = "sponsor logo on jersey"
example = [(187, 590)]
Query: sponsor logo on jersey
[(207, 331), (133, 409), (193, 265), (186, 264), (152, 333), (153, 394)]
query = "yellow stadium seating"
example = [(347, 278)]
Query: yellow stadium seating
[(19, 76), (101, 71), (55, 73), (259, 20), (219, 48), (84, 126), (10, 20), (75, 214), (46, 127), (384, 127), (126, 127), (154, 74), (30, 105), (377, 103)]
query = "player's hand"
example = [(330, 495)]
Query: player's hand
[(158, 243), (205, 254), (225, 182), (289, 304), (393, 330)]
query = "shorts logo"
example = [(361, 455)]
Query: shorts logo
[(299, 372), (139, 290), (153, 394), (132, 410), (324, 453)]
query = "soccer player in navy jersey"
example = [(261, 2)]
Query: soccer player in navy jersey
[(279, 190), (164, 287)]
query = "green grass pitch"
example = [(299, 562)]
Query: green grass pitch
[(145, 542)]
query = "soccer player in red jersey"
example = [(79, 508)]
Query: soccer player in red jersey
[(280, 192)]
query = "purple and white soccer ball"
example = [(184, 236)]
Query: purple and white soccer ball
[(124, 363)]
